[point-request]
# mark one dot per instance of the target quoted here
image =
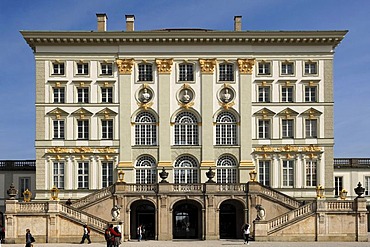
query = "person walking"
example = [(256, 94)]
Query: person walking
[(117, 237), (139, 232), (246, 232), (29, 238), (86, 235)]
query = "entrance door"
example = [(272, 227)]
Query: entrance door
[(227, 221), (186, 221), (143, 213)]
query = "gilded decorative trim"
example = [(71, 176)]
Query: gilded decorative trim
[(145, 106), (246, 163), (187, 105), (164, 66), (80, 150), (164, 164), (226, 106), (288, 148), (125, 66), (207, 66), (208, 163), (123, 164), (246, 66)]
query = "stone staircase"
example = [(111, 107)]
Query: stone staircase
[(94, 197)]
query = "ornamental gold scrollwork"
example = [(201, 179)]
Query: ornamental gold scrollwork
[(164, 66), (288, 149), (207, 66), (246, 66), (125, 66)]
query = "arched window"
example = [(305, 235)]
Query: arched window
[(145, 129), (186, 170), (186, 129), (226, 133), (146, 172), (226, 169)]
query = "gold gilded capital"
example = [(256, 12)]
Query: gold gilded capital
[(164, 66), (207, 66), (246, 66), (125, 66)]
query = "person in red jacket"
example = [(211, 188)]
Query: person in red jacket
[(115, 236)]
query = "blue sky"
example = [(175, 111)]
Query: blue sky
[(351, 63)]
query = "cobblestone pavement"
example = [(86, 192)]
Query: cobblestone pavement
[(210, 243)]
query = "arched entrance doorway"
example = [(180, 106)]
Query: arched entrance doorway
[(231, 219), (143, 213), (187, 220)]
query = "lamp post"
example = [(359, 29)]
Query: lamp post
[(27, 195), (253, 176), (54, 193), (319, 191)]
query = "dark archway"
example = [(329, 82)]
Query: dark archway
[(187, 220), (231, 219), (143, 213)]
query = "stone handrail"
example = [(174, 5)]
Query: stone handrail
[(290, 216), (279, 196), (34, 207), (141, 187), (188, 187), (93, 197), (340, 205), (232, 187)]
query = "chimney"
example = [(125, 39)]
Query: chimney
[(237, 23), (130, 22), (102, 22)]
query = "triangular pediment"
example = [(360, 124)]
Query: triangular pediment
[(58, 112), (82, 112), (287, 112), (264, 112), (311, 112), (107, 113)]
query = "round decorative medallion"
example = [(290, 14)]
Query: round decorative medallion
[(226, 95), (185, 95), (145, 95)]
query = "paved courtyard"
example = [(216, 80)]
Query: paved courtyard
[(211, 243)]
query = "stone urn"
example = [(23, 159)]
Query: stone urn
[(12, 192), (163, 175), (210, 175), (359, 190)]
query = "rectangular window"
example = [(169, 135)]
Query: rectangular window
[(83, 175), (58, 68), (310, 94), (226, 72), (287, 68), (107, 95), (107, 129), (288, 172), (83, 95), (58, 174), (106, 69), (310, 68), (186, 72), (58, 129), (145, 72), (311, 128), (263, 129), (24, 183), (264, 68), (83, 129), (286, 94), (107, 174), (311, 167), (338, 185), (264, 172), (264, 94), (82, 68), (367, 186), (287, 128), (58, 94)]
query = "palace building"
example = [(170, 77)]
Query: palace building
[(170, 126)]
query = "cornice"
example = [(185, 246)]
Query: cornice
[(35, 38)]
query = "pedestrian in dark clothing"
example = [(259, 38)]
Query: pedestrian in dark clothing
[(69, 202), (86, 235), (29, 238), (246, 232), (114, 233), (107, 236)]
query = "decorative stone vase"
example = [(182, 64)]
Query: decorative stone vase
[(12, 192), (359, 190), (210, 175), (163, 175)]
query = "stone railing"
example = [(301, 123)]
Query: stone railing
[(232, 187), (274, 194), (141, 187), (93, 197), (187, 187), (339, 205), (34, 207)]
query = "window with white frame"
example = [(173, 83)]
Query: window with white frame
[(58, 174), (287, 68), (264, 167), (82, 68), (58, 69), (24, 184), (311, 171), (186, 170), (226, 72), (367, 186), (107, 173), (311, 128), (83, 95), (146, 172), (227, 169), (58, 129), (310, 94), (106, 69), (264, 94), (286, 94), (83, 129), (186, 72), (288, 172), (264, 129), (226, 129), (310, 68), (145, 129), (106, 94), (186, 129), (264, 68), (145, 72), (58, 95), (338, 185), (287, 129), (83, 175), (107, 129)]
